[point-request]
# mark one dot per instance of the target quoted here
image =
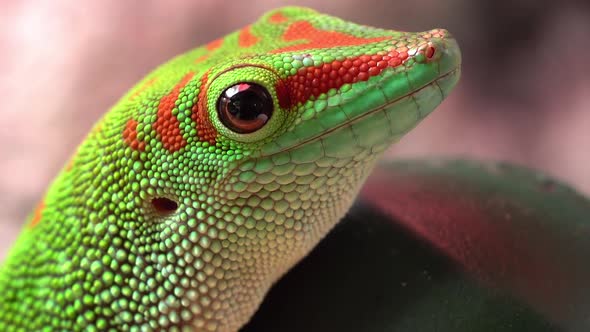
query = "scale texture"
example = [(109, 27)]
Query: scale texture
[(217, 173)]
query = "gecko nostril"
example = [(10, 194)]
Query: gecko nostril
[(164, 205), (429, 51)]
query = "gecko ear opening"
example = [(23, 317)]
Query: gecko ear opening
[(164, 205)]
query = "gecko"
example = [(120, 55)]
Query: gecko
[(217, 172)]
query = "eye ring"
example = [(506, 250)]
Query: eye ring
[(245, 107)]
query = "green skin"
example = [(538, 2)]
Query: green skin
[(108, 249)]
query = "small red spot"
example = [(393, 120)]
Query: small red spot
[(202, 58), (37, 214), (69, 165), (130, 136), (212, 46), (167, 125), (313, 81), (246, 38), (205, 129), (141, 89), (277, 18), (316, 38)]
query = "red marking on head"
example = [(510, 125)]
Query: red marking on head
[(205, 129), (277, 18), (167, 125), (69, 165), (283, 94), (37, 214), (201, 58), (320, 38), (313, 81), (212, 46), (246, 38), (142, 88), (130, 136)]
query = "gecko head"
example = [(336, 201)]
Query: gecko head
[(256, 149), (303, 113)]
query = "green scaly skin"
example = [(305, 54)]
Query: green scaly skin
[(167, 218)]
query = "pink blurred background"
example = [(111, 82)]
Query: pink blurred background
[(524, 96)]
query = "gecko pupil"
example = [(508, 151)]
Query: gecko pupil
[(245, 107)]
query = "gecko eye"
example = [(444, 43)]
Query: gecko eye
[(245, 107)]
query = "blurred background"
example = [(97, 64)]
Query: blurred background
[(524, 95)]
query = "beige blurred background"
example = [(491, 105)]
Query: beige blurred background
[(524, 95)]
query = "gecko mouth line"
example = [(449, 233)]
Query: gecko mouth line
[(360, 117)]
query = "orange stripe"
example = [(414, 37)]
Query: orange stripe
[(130, 136), (167, 125), (302, 30), (200, 116)]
